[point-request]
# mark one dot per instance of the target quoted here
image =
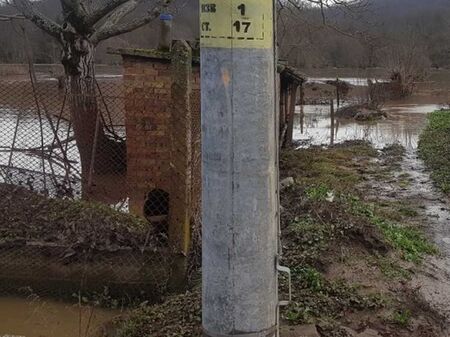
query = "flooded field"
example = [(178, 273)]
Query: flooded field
[(24, 133), (406, 118), (32, 317), (404, 124), (356, 81)]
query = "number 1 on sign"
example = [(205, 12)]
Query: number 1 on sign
[(241, 8)]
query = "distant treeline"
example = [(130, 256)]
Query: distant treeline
[(376, 35), (370, 36)]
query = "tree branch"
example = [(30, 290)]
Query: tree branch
[(39, 19), (118, 29), (119, 13), (4, 17), (125, 28), (100, 13), (76, 14)]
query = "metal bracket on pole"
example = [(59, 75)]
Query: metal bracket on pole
[(287, 271)]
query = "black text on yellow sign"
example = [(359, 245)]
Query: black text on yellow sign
[(236, 23)]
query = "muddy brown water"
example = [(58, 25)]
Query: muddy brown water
[(405, 122), (47, 318)]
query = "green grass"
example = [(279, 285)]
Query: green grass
[(410, 241), (318, 192), (311, 278), (434, 148), (334, 167), (402, 317), (392, 269), (316, 298)]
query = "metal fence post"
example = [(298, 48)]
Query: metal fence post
[(239, 168)]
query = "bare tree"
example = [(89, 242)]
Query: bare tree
[(85, 24), (407, 61), (305, 26)]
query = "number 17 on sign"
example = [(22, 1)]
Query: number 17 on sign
[(243, 24)]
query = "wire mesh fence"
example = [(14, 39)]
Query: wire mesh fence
[(89, 186)]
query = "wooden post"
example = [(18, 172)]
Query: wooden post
[(302, 95), (338, 93), (302, 107), (332, 122), (181, 159), (291, 114), (282, 114)]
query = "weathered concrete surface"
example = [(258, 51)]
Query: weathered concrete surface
[(239, 192)]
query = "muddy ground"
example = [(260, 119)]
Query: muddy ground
[(359, 245)]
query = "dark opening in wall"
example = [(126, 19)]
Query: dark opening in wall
[(156, 204)]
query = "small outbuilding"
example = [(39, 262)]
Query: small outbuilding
[(162, 119)]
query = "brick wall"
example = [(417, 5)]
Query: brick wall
[(148, 103), (147, 106)]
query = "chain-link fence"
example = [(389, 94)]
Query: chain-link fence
[(89, 186)]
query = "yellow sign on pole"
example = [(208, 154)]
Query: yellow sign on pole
[(236, 23)]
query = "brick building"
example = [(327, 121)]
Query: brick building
[(162, 118)]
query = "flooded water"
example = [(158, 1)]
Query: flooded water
[(406, 120), (356, 81), (313, 125), (56, 170), (39, 318), (23, 132)]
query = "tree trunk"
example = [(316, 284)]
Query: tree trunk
[(98, 153)]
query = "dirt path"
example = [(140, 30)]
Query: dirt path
[(412, 182), (434, 284)]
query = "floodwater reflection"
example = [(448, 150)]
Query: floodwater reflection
[(314, 126)]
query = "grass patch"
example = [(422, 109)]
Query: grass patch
[(410, 241), (177, 316), (336, 166), (392, 270), (318, 193), (402, 318), (317, 299), (434, 148)]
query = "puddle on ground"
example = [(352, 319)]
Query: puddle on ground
[(46, 318), (313, 126)]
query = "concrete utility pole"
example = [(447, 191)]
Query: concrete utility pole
[(240, 178)]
